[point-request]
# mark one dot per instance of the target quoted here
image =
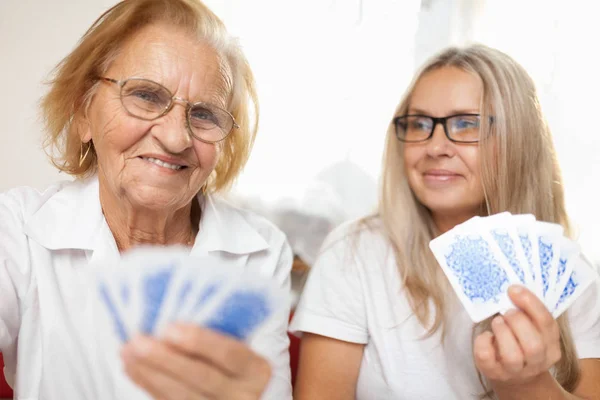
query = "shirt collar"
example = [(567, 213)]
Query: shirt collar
[(72, 218)]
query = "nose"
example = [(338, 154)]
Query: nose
[(439, 145), (172, 130)]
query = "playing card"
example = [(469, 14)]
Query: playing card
[(112, 288), (547, 237), (569, 255), (195, 283), (152, 271), (473, 263), (207, 285), (502, 229), (245, 304), (523, 224), (582, 276)]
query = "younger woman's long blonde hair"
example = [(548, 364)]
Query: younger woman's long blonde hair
[(519, 173)]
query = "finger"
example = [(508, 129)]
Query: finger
[(486, 359), (529, 338), (531, 305), (233, 357), (194, 373), (511, 356), (156, 383)]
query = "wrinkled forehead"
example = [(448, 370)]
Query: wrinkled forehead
[(189, 67)]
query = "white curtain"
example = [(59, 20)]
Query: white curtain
[(556, 41)]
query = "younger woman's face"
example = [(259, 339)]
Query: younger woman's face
[(445, 176)]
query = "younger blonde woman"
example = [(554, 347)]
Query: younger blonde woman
[(379, 318)]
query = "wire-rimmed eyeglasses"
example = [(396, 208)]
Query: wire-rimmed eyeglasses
[(148, 100)]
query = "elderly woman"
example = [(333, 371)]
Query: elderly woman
[(151, 113)]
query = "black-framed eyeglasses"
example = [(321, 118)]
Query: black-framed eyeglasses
[(148, 100), (459, 128)]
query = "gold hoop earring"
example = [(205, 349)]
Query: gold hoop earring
[(204, 188), (82, 156)]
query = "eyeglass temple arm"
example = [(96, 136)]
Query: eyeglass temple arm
[(109, 80)]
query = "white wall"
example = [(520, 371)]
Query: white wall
[(35, 35), (329, 74), (336, 59)]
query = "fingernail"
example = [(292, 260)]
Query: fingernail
[(516, 289), (141, 345), (173, 334), (510, 312), (498, 321)]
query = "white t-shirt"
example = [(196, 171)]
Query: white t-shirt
[(354, 294), (47, 242)]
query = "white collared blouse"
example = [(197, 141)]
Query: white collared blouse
[(47, 240)]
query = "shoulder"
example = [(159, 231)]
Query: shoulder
[(19, 203), (265, 228), (365, 235), (362, 244)]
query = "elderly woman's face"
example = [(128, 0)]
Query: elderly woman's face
[(156, 164)]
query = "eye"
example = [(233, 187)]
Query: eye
[(466, 122), (147, 96), (420, 123), (203, 114), (202, 117)]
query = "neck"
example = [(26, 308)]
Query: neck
[(132, 226), (445, 222)]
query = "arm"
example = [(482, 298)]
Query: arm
[(332, 316), (328, 369), (546, 387), (272, 341), (14, 270)]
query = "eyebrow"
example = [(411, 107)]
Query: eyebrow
[(456, 111)]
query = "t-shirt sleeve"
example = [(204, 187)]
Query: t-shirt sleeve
[(584, 317), (332, 301)]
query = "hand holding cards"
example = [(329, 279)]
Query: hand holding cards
[(485, 255), (153, 287)]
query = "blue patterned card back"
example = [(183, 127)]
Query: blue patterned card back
[(507, 246), (240, 313), (583, 276), (118, 325), (547, 253), (153, 289), (204, 296), (568, 291), (479, 273)]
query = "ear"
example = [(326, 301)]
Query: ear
[(82, 127)]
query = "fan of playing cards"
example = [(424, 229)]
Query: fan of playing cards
[(485, 255), (152, 287)]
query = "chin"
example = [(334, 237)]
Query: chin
[(449, 204), (158, 199)]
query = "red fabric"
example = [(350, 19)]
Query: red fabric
[(294, 353), (5, 390)]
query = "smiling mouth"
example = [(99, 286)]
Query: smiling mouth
[(164, 164)]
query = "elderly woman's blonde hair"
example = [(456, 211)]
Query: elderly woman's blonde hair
[(520, 174), (75, 80)]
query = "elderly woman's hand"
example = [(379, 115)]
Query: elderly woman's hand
[(195, 363), (523, 344)]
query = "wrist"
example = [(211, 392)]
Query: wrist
[(525, 388)]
